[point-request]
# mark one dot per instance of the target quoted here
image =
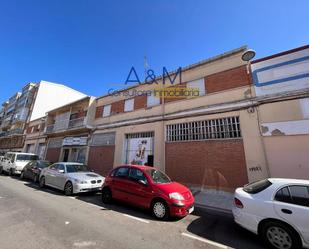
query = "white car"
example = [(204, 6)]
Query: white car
[(71, 177), (1, 161), (277, 210), (14, 162)]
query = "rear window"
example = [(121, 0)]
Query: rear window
[(257, 187), (25, 157)]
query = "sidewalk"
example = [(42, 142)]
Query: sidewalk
[(213, 199)]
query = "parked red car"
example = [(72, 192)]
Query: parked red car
[(149, 188)]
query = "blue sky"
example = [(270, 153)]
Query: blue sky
[(91, 44)]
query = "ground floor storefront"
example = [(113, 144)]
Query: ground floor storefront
[(11, 143), (36, 146), (67, 149), (218, 152)]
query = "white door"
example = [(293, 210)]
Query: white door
[(292, 205), (60, 177), (50, 175)]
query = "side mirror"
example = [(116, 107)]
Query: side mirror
[(142, 182), (61, 171)]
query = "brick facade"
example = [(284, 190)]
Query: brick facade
[(140, 102), (232, 78), (117, 107), (53, 154), (101, 159), (214, 164), (99, 111), (12, 142)]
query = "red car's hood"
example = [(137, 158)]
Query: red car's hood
[(172, 187)]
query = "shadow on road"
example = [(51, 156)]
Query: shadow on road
[(95, 199), (222, 229)]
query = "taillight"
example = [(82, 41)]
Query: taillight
[(238, 203)]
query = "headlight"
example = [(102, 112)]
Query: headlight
[(176, 196)]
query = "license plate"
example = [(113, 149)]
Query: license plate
[(191, 210)]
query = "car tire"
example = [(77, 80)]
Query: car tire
[(42, 182), (107, 196), (36, 178), (160, 209), (22, 175), (277, 235), (1, 170), (68, 188), (11, 172)]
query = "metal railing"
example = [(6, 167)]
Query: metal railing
[(65, 125), (78, 122)]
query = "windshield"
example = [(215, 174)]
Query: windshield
[(43, 164), (256, 187), (25, 157), (72, 168), (158, 176)]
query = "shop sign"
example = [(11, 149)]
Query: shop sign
[(74, 141)]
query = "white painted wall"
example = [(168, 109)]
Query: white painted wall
[(51, 96), (281, 72), (295, 127)]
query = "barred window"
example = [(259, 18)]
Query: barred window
[(221, 128), (140, 135)]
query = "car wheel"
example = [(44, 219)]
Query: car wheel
[(36, 178), (160, 210), (1, 170), (11, 172), (22, 175), (68, 189), (106, 196), (42, 182), (280, 236)]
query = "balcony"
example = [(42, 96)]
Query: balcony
[(66, 124)]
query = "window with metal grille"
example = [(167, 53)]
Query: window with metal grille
[(221, 128), (140, 135)]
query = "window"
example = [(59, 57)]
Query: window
[(53, 167), (283, 195), (200, 130), (60, 167), (136, 175), (107, 110), (129, 105), (300, 195), (158, 176), (153, 100), (42, 164), (25, 157), (257, 187), (197, 84), (72, 168), (122, 172)]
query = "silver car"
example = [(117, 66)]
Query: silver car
[(71, 177)]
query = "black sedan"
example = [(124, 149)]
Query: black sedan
[(33, 169)]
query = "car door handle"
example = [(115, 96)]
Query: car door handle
[(286, 211)]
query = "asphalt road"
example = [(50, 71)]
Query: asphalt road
[(31, 218)]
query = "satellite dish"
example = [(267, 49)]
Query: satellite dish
[(248, 55)]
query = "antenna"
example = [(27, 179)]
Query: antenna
[(146, 66)]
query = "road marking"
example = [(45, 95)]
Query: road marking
[(135, 218), (205, 240), (67, 222), (84, 244)]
